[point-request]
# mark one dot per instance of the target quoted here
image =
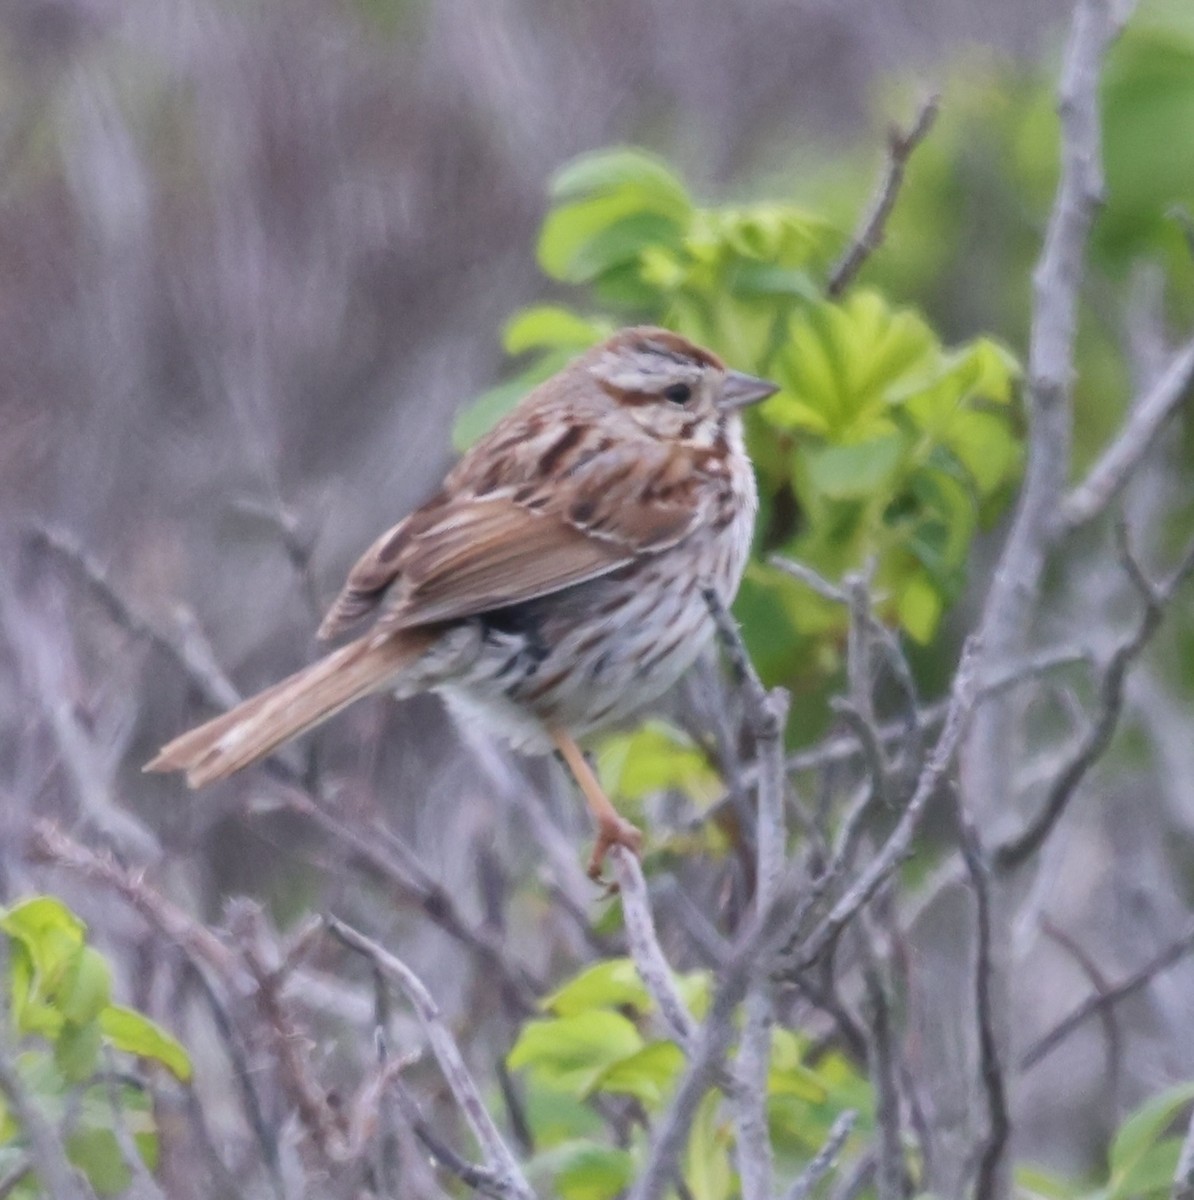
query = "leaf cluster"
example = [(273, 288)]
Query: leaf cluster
[(598, 1045), (61, 1011)]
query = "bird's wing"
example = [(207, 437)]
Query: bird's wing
[(515, 525)]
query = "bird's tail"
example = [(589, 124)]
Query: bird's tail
[(261, 724)]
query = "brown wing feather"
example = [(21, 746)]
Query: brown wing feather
[(533, 509)]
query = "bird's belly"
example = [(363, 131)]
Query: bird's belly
[(588, 658)]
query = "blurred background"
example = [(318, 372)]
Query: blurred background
[(255, 257)]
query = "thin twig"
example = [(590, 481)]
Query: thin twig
[(869, 235), (1115, 466), (899, 841), (991, 1150), (644, 947), (1099, 1001), (1017, 849), (757, 944), (766, 713), (822, 1162), (190, 653), (881, 1065), (1107, 1014), (142, 1186), (498, 1157), (53, 846)]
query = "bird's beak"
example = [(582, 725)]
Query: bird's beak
[(741, 390)]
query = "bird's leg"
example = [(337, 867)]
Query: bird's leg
[(612, 828)]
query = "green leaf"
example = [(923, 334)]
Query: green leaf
[(649, 1075), (87, 987), (919, 609), (654, 758), (844, 363), (571, 1052), (97, 1154), (626, 170), (585, 1170), (1141, 1131), (134, 1033), (707, 1169), (51, 933), (611, 983), (854, 472), (583, 241), (76, 1051), (549, 326)]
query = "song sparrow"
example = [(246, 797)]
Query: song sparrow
[(554, 584)]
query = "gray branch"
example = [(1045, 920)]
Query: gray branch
[(869, 237), (1106, 479), (499, 1160)]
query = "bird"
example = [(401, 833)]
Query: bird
[(557, 582)]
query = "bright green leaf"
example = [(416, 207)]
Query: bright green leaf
[(87, 987), (571, 1052), (654, 758), (134, 1033), (585, 1170), (919, 609), (1141, 1131), (648, 1075), (624, 170), (855, 471), (76, 1051), (611, 983), (707, 1169)]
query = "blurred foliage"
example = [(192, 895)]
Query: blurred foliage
[(595, 1042), (1142, 1159), (59, 992), (966, 232)]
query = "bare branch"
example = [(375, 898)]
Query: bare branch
[(142, 1186), (991, 1151), (1101, 986), (881, 1065), (869, 235), (899, 841), (1111, 995), (822, 1162), (766, 714), (188, 649), (1091, 748), (498, 1157), (1115, 467), (644, 946), (1012, 598), (201, 945)]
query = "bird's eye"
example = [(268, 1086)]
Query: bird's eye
[(678, 393)]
